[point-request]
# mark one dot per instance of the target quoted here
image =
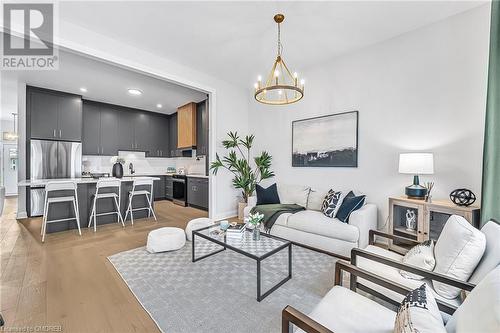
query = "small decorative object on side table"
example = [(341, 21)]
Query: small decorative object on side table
[(463, 197), (416, 164), (254, 220)]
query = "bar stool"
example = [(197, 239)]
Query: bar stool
[(60, 186), (106, 184), (141, 181)]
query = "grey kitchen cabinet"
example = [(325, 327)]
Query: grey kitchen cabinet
[(169, 188), (100, 129), (159, 188), (201, 129), (43, 110), (174, 151), (70, 118), (54, 115), (126, 130), (197, 192), (159, 136), (91, 142), (142, 135), (109, 131)]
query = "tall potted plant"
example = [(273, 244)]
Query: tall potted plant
[(238, 161)]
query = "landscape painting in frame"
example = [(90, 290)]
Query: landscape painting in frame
[(327, 141)]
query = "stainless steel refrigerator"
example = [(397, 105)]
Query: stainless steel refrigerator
[(52, 160)]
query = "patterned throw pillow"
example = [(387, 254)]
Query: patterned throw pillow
[(331, 203), (419, 313), (422, 256)]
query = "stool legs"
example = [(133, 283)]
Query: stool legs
[(129, 209), (118, 213), (77, 215), (150, 199)]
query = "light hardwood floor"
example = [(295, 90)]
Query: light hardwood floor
[(68, 280)]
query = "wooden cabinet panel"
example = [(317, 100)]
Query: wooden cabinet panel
[(186, 125)]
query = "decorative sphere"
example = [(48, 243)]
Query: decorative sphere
[(462, 197)]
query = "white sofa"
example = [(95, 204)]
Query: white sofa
[(312, 228)]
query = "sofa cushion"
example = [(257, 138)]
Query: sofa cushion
[(421, 256), (267, 196), (393, 275), (349, 205), (293, 194), (419, 313), (315, 199), (342, 310), (491, 256), (458, 250), (316, 223), (331, 203), (480, 312)]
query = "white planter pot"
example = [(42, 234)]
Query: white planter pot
[(241, 207)]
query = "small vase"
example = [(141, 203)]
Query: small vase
[(256, 233), (117, 170)]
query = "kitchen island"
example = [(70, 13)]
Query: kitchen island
[(85, 191)]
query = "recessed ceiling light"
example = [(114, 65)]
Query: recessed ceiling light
[(135, 92), (159, 106), (82, 89)]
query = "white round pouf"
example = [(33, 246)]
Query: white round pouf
[(165, 239), (198, 223)]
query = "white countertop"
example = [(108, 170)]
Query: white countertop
[(84, 180), (198, 176)]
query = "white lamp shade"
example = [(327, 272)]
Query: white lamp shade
[(416, 163)]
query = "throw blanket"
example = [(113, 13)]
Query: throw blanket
[(273, 211)]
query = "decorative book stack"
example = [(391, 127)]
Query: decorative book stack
[(235, 231)]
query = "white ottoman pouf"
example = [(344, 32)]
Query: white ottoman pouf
[(165, 239), (198, 223)]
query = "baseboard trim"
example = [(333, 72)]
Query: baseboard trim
[(226, 215), (21, 215)]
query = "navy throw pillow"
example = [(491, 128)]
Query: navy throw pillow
[(350, 204), (267, 196)]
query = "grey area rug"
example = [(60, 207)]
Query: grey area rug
[(218, 293)]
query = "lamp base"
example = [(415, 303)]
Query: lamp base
[(416, 192)]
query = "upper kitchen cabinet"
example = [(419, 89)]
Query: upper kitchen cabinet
[(186, 126), (159, 126), (202, 129), (100, 129), (142, 135), (54, 115), (126, 130)]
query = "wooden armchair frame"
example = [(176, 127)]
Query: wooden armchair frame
[(355, 253)]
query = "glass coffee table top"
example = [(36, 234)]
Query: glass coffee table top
[(267, 244)]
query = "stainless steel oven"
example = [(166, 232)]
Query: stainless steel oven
[(179, 184)]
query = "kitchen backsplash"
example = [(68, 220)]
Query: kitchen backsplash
[(142, 164)]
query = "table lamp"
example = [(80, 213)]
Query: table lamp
[(416, 164)]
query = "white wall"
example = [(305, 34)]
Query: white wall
[(229, 103), (422, 91)]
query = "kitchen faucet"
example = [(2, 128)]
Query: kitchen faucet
[(131, 168)]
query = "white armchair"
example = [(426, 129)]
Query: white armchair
[(343, 310)]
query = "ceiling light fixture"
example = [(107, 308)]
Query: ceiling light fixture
[(135, 92), (159, 106), (84, 90), (280, 87)]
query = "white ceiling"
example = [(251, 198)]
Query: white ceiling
[(109, 83), (236, 41)]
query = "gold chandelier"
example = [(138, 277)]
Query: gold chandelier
[(281, 86)]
